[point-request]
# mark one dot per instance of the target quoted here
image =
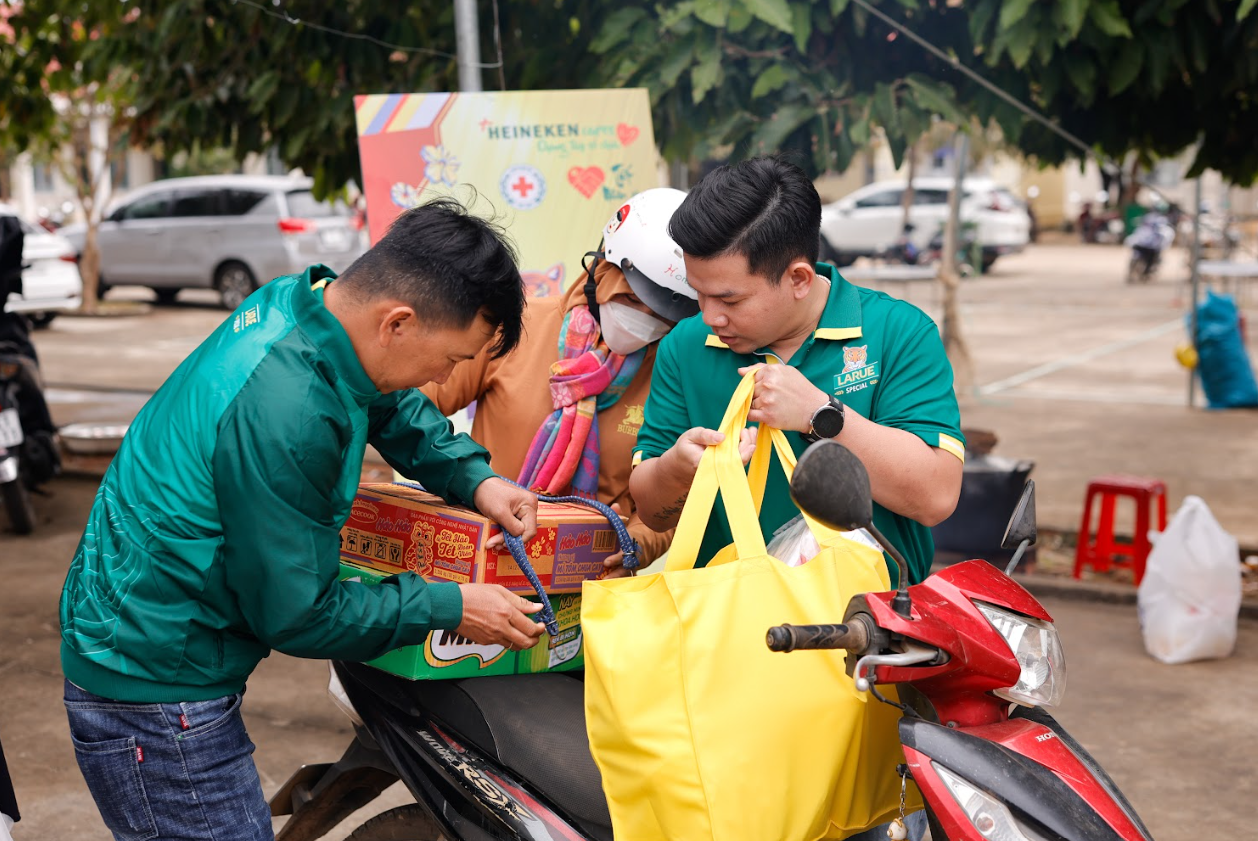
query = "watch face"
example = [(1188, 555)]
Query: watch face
[(828, 422)]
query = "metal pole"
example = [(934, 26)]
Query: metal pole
[(952, 235), (467, 37), (1196, 283)]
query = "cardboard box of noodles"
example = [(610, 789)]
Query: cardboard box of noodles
[(394, 528), (446, 655)]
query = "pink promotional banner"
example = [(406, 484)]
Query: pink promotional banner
[(551, 166)]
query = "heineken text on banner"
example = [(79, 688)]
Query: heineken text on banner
[(554, 165)]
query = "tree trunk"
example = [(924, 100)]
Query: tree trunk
[(89, 265), (954, 342), (906, 203)]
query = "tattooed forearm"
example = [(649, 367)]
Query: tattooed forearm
[(669, 511)]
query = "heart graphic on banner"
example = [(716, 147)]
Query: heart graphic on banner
[(585, 179), (627, 133)]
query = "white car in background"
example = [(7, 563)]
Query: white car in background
[(867, 222), (50, 281), (230, 233)]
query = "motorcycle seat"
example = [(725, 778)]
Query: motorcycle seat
[(533, 725)]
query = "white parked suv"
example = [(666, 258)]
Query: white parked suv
[(226, 232), (867, 223), (50, 277)]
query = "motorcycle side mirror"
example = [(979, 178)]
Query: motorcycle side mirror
[(1021, 531), (1022, 524), (832, 485)]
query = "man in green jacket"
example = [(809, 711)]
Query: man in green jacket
[(214, 537)]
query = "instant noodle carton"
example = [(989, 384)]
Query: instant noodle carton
[(394, 528), (446, 655)]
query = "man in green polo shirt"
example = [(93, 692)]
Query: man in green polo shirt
[(831, 360)]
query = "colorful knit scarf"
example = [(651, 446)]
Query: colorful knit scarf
[(587, 379)]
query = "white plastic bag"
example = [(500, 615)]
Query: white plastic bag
[(1190, 596), (6, 824), (794, 544)]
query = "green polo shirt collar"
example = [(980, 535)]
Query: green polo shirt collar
[(840, 320)]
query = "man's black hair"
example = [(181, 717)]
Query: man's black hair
[(448, 265), (765, 209)]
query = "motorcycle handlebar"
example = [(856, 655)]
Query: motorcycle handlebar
[(853, 637)]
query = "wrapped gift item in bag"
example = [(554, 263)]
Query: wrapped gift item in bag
[(699, 730), (794, 544), (1190, 596)]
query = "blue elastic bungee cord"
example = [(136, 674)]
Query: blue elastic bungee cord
[(547, 614), (516, 547)]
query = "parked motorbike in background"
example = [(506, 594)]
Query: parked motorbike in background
[(1153, 235), (976, 661), (28, 447), (902, 251)]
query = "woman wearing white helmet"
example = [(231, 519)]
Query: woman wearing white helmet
[(562, 411)]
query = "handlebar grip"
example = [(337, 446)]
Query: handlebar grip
[(854, 637)]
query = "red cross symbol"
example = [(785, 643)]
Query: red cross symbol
[(523, 186), (485, 123)]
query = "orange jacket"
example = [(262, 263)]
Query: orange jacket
[(512, 397)]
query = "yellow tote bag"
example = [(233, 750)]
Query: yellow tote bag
[(699, 730)]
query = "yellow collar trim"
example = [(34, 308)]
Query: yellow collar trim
[(837, 333), (833, 333)]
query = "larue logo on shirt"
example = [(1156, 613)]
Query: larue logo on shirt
[(858, 372)]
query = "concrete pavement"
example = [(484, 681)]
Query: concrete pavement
[(1074, 369), (1176, 739)]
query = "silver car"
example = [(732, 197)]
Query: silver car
[(226, 232)]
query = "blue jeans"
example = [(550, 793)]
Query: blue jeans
[(170, 771)]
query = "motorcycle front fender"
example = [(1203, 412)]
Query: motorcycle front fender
[(1034, 794)]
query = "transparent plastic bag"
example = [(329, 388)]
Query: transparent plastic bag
[(1190, 596), (794, 544)]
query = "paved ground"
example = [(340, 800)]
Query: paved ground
[(1074, 370), (1177, 739)]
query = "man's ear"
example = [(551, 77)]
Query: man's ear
[(801, 275), (395, 321)]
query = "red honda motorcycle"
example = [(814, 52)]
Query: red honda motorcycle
[(976, 660)]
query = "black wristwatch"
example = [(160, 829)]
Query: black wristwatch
[(826, 422)]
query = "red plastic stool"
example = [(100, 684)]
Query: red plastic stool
[(1104, 552)]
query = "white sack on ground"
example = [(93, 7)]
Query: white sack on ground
[(1190, 596)]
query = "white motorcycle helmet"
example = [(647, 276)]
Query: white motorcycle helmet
[(636, 240)]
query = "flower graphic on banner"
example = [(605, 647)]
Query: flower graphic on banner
[(404, 195), (443, 168)]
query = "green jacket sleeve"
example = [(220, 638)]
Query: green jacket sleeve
[(419, 442), (275, 474)]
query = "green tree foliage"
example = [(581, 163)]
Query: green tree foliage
[(747, 76), (63, 105), (249, 76), (726, 77)]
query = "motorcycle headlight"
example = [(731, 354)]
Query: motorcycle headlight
[(990, 817), (1037, 648)]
